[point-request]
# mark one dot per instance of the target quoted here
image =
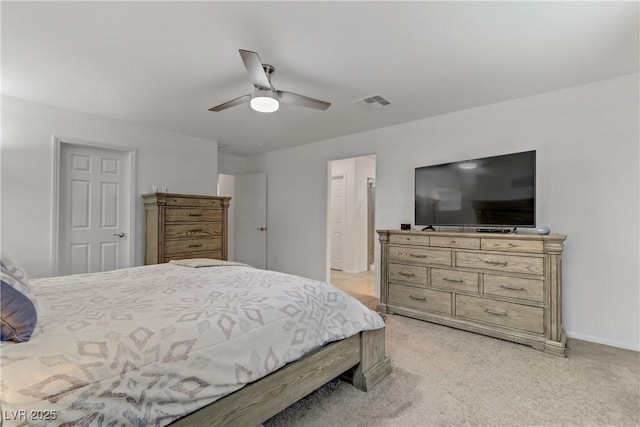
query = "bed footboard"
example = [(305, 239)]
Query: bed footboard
[(262, 399)]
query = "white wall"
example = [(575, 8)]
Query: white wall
[(231, 164), (586, 139), (182, 163)]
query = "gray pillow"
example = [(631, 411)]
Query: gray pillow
[(17, 314)]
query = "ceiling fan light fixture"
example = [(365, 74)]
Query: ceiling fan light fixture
[(264, 104), (467, 165), (265, 98)]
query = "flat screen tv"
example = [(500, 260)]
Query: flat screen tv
[(498, 191)]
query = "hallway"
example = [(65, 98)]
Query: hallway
[(359, 283)]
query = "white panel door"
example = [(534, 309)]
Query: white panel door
[(338, 217), (94, 209), (251, 219)]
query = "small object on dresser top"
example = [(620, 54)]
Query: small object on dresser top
[(493, 230), (543, 230)]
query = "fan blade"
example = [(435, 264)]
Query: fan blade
[(303, 101), (232, 103), (254, 67)]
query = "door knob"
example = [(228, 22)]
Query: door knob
[(119, 234), (261, 228)]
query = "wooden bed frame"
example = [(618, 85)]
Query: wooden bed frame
[(360, 358)]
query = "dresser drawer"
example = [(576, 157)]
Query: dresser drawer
[(501, 313), (514, 287), (455, 242), (419, 298), (408, 273), (192, 215), (205, 229), (193, 202), (173, 247), (498, 262), (459, 280), (536, 246), (419, 255), (210, 254), (409, 239)]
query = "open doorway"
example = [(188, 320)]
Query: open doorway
[(351, 224)]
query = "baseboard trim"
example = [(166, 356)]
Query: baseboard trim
[(600, 340)]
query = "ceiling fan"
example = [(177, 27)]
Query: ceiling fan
[(265, 98)]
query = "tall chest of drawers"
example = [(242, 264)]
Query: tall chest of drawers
[(508, 286), (180, 226)]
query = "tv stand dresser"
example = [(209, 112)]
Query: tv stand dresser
[(507, 286)]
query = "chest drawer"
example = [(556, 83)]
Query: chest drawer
[(409, 239), (192, 215), (514, 287), (408, 273), (420, 298), (205, 229), (499, 262), (193, 202), (512, 245), (501, 313), (173, 247), (210, 254), (419, 255), (455, 242), (459, 280)]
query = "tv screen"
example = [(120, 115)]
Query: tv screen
[(492, 191)]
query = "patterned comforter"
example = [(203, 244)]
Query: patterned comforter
[(146, 345)]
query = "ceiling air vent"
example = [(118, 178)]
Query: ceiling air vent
[(372, 102)]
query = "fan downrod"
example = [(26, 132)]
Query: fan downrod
[(268, 70)]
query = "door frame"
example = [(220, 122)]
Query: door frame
[(371, 225), (57, 142)]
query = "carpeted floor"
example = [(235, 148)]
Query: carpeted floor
[(447, 377)]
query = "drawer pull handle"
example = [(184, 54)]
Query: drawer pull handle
[(402, 273), (495, 312), (417, 297), (193, 214), (511, 288), (448, 279), (197, 230), (195, 246), (492, 262), (418, 255)]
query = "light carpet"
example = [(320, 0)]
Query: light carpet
[(446, 377)]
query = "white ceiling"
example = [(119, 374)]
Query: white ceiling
[(163, 64)]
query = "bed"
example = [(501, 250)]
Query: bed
[(192, 342)]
